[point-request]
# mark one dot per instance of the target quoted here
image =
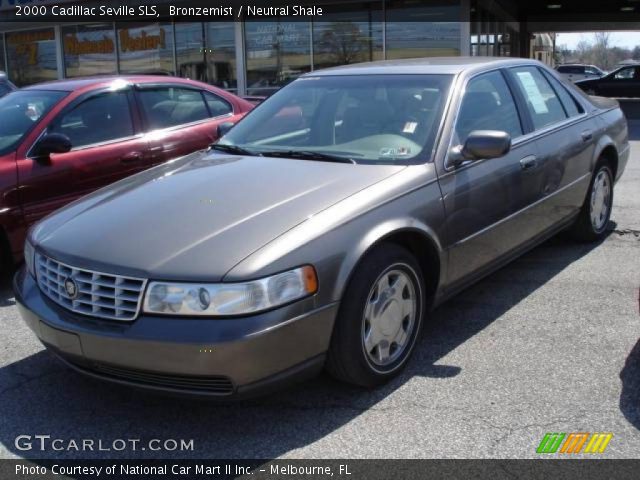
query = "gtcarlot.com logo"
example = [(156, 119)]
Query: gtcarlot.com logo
[(47, 442), (581, 442)]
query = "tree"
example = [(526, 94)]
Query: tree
[(344, 42), (602, 50)]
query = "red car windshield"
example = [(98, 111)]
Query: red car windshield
[(19, 113)]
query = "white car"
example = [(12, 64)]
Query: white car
[(579, 72)]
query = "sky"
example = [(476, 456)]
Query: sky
[(627, 39)]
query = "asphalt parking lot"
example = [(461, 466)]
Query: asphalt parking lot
[(547, 344)]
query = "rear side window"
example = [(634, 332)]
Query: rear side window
[(487, 105), (169, 106), (217, 105), (542, 102), (568, 102), (98, 119), (625, 73)]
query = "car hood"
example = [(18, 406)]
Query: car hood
[(195, 218)]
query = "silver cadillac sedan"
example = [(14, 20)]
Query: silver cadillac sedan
[(322, 228)]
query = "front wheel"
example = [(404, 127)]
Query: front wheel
[(592, 222), (379, 319)]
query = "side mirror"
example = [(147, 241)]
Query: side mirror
[(52, 143), (480, 144), (224, 128)]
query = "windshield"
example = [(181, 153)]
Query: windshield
[(365, 119), (20, 111)]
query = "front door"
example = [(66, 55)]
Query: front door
[(482, 198), (105, 148)]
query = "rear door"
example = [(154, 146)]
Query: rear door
[(483, 198), (106, 146), (565, 140), (180, 119)]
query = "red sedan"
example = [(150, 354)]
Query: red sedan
[(62, 140)]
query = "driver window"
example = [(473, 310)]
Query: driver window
[(99, 119), (487, 105)]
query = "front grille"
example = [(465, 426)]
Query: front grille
[(97, 294), (214, 384)]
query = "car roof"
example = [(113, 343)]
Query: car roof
[(431, 65), (90, 83)]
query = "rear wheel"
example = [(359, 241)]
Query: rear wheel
[(379, 319), (592, 222)]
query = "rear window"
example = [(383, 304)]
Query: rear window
[(170, 106), (570, 69)]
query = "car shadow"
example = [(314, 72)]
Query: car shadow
[(630, 395), (6, 291), (40, 396)]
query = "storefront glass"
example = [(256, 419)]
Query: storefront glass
[(276, 53), (31, 56), (3, 65), (89, 50), (410, 33), (190, 51), (352, 36), (146, 48), (220, 55)]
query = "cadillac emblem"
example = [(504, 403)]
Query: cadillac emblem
[(71, 288)]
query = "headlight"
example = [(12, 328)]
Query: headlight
[(220, 299), (29, 260)]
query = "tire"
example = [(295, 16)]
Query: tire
[(592, 222), (395, 329)]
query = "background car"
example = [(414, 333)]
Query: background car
[(623, 82), (62, 140), (575, 72), (391, 187), (5, 85)]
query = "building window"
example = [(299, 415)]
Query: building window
[(277, 53), (190, 51), (31, 56), (146, 48), (3, 65), (89, 50), (220, 55), (349, 36), (410, 33)]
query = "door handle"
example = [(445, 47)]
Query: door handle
[(587, 135), (131, 157), (528, 163)]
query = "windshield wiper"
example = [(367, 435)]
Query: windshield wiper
[(309, 155), (233, 149)]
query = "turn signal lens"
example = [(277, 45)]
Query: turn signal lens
[(29, 260)]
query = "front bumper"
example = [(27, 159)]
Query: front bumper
[(195, 356)]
